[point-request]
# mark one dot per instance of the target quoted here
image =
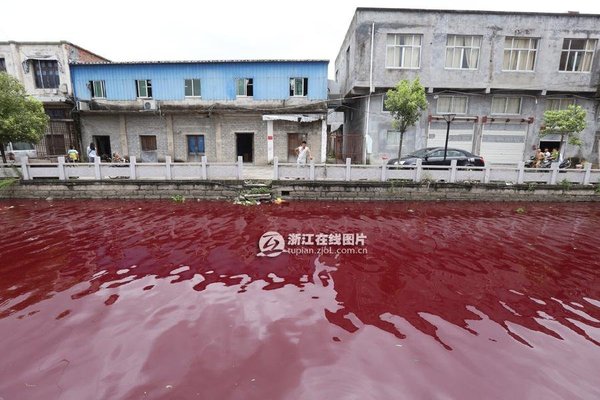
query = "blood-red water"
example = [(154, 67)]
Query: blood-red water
[(160, 300)]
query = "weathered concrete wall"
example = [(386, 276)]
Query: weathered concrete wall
[(298, 190)]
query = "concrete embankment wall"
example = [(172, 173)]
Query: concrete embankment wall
[(299, 190)]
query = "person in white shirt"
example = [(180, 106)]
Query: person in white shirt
[(91, 152), (303, 153)]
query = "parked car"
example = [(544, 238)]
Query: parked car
[(15, 151), (435, 156)]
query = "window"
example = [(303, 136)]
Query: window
[(2, 65), (192, 88), (144, 89), (98, 89), (462, 52), (506, 105), (298, 87), (393, 138), (384, 108), (559, 104), (519, 54), (46, 74), (403, 51), (195, 144), (245, 87), (452, 105), (577, 55), (148, 142)]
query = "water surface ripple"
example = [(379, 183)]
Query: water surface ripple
[(160, 300)]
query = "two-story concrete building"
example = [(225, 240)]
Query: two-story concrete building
[(497, 72), (257, 109), (43, 69)]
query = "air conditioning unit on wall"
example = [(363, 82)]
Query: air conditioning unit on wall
[(83, 106), (148, 105)]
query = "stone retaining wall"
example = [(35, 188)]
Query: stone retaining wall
[(298, 190)]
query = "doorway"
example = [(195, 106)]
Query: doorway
[(245, 146), (102, 146), (550, 145), (294, 141)]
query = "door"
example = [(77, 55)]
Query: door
[(245, 146), (503, 144), (103, 149), (195, 147), (294, 141)]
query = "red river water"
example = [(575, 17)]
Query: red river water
[(165, 300)]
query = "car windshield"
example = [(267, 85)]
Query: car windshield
[(22, 146), (419, 153)]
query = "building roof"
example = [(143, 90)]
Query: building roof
[(56, 43), (196, 62), (425, 10)]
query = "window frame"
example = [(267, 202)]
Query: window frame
[(506, 98), (93, 89), (462, 51), (402, 47), (293, 87), (452, 97), (560, 99), (389, 132), (584, 51), (248, 83), (148, 88), (38, 76), (519, 50), (146, 137), (203, 143), (193, 95)]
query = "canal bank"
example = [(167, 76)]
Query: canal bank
[(298, 190)]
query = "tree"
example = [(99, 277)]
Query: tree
[(406, 102), (567, 122), (22, 117)]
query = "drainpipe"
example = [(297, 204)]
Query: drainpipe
[(370, 91)]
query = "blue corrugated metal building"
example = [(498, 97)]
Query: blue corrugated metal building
[(257, 109)]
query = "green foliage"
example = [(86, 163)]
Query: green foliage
[(406, 102), (565, 122), (259, 190), (4, 183), (22, 117), (597, 188), (566, 184), (178, 198)]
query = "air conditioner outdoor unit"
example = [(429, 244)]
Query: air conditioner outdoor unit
[(148, 105), (83, 106)]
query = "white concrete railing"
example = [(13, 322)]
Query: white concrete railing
[(288, 171)]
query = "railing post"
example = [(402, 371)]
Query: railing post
[(453, 171), (487, 174), (61, 169), (168, 165), (25, 168), (418, 170), (311, 170), (521, 172), (588, 173), (348, 166), (554, 173), (240, 166), (132, 172), (383, 171), (276, 168), (97, 168), (203, 168)]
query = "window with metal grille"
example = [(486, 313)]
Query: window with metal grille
[(298, 87), (192, 88), (245, 87), (403, 51), (98, 89), (148, 142), (452, 105), (46, 74), (462, 52), (577, 55), (195, 144), (144, 88), (519, 54), (506, 105)]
